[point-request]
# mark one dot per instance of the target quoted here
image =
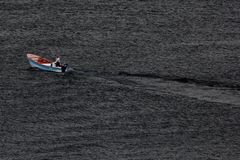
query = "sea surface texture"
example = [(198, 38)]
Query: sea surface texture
[(150, 80)]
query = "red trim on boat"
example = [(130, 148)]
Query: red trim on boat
[(42, 60)]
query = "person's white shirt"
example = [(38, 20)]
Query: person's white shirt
[(54, 63), (57, 60)]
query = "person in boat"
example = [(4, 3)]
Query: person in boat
[(57, 62)]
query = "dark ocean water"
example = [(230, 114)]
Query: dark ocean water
[(151, 80)]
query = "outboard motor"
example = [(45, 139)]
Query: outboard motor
[(64, 67)]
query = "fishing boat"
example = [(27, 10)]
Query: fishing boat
[(45, 64)]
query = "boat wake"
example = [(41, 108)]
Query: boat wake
[(210, 83), (210, 91)]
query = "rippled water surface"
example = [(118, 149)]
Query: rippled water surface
[(151, 80)]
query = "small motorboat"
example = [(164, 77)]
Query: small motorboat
[(45, 64)]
